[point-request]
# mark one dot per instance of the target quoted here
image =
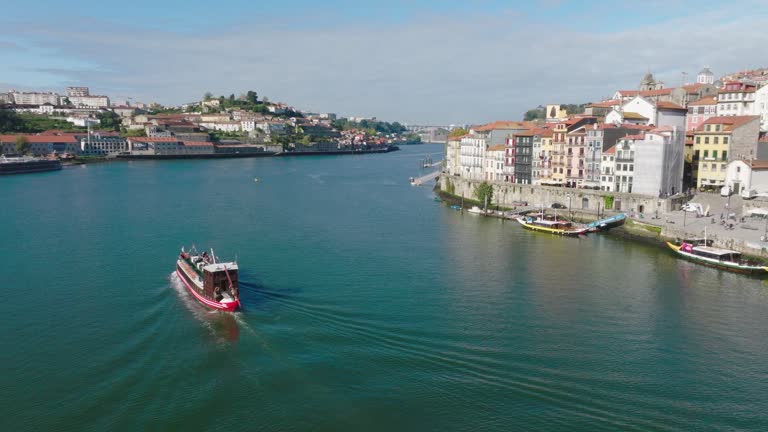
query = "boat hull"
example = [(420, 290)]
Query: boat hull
[(570, 233), (732, 267), (193, 287)]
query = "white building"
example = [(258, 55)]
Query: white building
[(453, 155), (705, 76), (736, 99), (102, 145), (225, 126), (78, 91), (494, 163), (657, 113), (658, 162), (34, 98), (472, 156), (607, 170), (89, 101), (747, 178), (761, 106)]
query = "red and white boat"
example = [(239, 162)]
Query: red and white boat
[(211, 282)]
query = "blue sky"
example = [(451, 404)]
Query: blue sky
[(436, 62)]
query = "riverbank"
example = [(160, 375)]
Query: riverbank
[(97, 159), (654, 230)]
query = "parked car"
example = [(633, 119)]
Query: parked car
[(557, 206), (725, 191)]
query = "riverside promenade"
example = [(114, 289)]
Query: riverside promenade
[(651, 219)]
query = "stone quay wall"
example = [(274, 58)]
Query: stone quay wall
[(588, 200)]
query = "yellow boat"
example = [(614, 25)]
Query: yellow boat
[(553, 226), (724, 259)]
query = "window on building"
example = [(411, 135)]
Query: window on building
[(631, 167), (706, 154), (706, 140), (706, 128), (722, 167), (725, 154), (704, 167), (738, 169), (714, 167), (717, 128), (714, 154), (716, 140), (698, 140), (725, 140)]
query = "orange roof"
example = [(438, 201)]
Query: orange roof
[(669, 106), (504, 125), (634, 116), (709, 100), (154, 139), (606, 104), (197, 143), (758, 164), (635, 137), (730, 122), (660, 92), (544, 132), (611, 150), (40, 139)]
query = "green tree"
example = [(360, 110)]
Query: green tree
[(251, 97), (108, 120), (10, 121), (66, 101), (458, 132), (484, 193), (535, 114), (22, 144), (207, 96)]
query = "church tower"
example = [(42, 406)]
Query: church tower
[(705, 76)]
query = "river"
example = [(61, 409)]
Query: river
[(367, 306)]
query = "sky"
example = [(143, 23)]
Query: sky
[(435, 62)]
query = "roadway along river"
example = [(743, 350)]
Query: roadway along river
[(368, 306)]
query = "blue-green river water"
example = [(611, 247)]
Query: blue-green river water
[(367, 307)]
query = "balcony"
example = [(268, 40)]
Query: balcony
[(625, 159)]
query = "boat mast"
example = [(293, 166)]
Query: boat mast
[(213, 256)]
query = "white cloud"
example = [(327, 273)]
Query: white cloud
[(442, 70)]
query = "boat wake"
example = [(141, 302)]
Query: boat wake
[(223, 326)]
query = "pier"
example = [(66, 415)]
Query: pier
[(418, 181)]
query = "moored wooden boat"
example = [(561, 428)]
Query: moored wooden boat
[(724, 259), (552, 225), (608, 223)]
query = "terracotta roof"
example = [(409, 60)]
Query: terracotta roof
[(504, 125), (544, 132), (197, 143), (634, 137), (659, 92), (154, 139), (37, 139), (710, 100), (669, 106), (634, 116), (730, 122), (693, 88), (605, 104), (758, 164), (611, 150)]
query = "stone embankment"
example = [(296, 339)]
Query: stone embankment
[(651, 219)]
